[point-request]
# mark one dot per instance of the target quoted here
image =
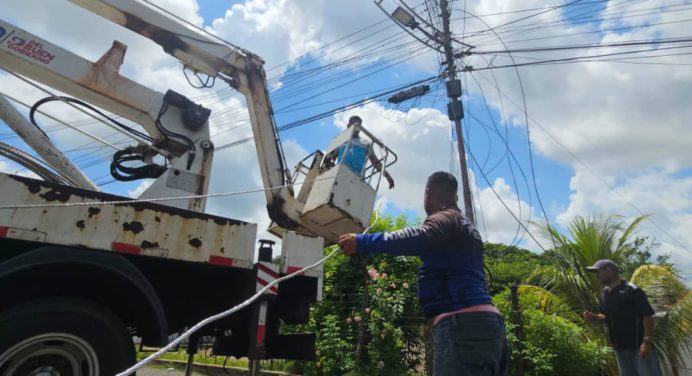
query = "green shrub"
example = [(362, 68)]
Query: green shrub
[(552, 344)]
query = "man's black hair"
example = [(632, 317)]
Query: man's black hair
[(442, 182), (355, 119)]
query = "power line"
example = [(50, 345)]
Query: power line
[(589, 168), (577, 58), (508, 151), (566, 19), (520, 19), (331, 112), (492, 188), (589, 46), (528, 136), (97, 139), (527, 10)]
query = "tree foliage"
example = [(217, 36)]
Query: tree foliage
[(508, 264), (391, 319), (607, 237), (553, 344), (375, 302)]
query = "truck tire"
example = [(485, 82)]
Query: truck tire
[(63, 336)]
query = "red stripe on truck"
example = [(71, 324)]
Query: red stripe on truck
[(4, 231), (220, 260), (293, 269), (126, 248)]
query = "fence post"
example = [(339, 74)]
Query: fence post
[(518, 328)]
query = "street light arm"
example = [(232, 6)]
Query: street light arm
[(436, 48)]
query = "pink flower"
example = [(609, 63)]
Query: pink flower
[(372, 272), (367, 311), (383, 275), (392, 285), (405, 285), (356, 318)]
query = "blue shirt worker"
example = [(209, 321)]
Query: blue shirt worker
[(356, 152), (469, 335), (628, 315)]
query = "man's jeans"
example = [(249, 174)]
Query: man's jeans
[(631, 364), (472, 344)]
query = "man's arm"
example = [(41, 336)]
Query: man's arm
[(645, 348), (643, 307), (411, 241), (593, 318), (378, 166), (329, 159), (596, 318)]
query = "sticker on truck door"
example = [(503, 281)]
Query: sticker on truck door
[(29, 48)]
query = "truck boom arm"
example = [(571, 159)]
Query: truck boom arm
[(242, 70), (188, 147), (100, 84)]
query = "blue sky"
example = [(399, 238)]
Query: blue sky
[(602, 141)]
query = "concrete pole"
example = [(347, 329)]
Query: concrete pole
[(455, 109)]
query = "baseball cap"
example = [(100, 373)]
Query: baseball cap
[(604, 264)]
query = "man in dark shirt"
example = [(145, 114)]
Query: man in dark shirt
[(469, 335), (628, 315)]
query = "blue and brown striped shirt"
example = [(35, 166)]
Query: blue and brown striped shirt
[(451, 277)]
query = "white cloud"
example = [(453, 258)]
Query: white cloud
[(497, 224), (666, 199), (629, 122), (420, 137), (185, 9), (282, 30), (234, 169), (615, 117)]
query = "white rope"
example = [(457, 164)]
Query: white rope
[(237, 308), (136, 201), (223, 314), (155, 199)]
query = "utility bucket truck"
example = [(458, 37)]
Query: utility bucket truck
[(82, 271)]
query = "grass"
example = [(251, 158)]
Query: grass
[(203, 358)]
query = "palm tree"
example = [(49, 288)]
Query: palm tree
[(606, 237), (600, 237), (672, 302)]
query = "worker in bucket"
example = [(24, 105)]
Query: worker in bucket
[(355, 152), (469, 336)]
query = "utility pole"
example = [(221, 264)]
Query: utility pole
[(455, 109)]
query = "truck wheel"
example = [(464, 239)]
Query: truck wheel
[(65, 337)]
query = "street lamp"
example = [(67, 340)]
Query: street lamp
[(404, 18)]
